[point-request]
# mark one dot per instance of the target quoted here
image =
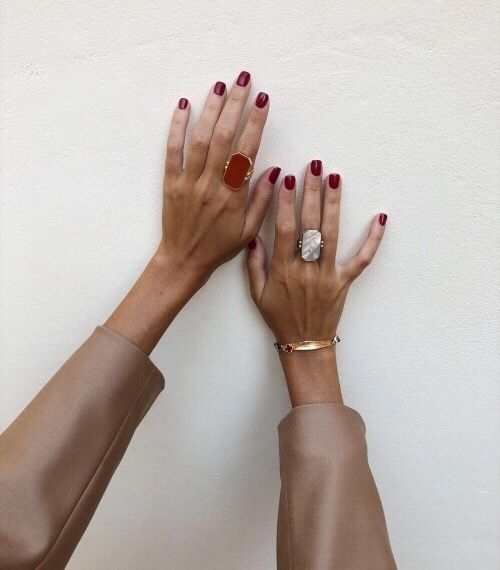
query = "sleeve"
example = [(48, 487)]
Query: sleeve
[(58, 456), (330, 515)]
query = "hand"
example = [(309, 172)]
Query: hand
[(205, 223), (302, 300)]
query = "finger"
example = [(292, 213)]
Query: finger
[(228, 123), (256, 267), (330, 219), (310, 212), (252, 133), (285, 233), (367, 251), (259, 202), (177, 138), (203, 131)]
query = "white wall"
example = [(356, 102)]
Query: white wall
[(398, 96)]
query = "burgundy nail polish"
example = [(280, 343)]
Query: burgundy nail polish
[(183, 103), (334, 181), (316, 166), (273, 175), (220, 88), (243, 79), (289, 182), (252, 244), (382, 219), (261, 100)]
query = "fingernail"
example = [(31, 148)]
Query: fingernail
[(334, 181), (183, 103), (252, 244), (220, 88), (243, 79), (273, 175), (316, 166), (289, 182), (382, 219), (261, 100)]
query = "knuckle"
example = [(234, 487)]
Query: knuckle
[(213, 108), (364, 261), (235, 98), (254, 120), (199, 143), (223, 136), (173, 149), (332, 197), (310, 221), (286, 229), (312, 187)]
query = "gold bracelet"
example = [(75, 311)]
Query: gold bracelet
[(289, 347)]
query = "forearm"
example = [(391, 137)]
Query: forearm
[(312, 376), (161, 291)]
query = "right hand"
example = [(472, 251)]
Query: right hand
[(302, 300)]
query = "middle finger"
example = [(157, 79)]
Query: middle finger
[(310, 214)]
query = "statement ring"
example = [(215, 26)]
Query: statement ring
[(239, 168), (310, 245)]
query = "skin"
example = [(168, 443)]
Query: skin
[(204, 224), (304, 300)]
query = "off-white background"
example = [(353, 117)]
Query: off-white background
[(398, 96)]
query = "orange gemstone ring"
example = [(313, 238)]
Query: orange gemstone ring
[(239, 168)]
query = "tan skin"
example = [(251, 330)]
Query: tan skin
[(204, 224)]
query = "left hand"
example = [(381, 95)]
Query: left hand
[(205, 223)]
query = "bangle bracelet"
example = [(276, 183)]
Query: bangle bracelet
[(289, 347)]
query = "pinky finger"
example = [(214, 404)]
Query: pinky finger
[(176, 139), (367, 251)]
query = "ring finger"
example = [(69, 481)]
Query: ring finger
[(204, 129), (228, 123), (331, 217)]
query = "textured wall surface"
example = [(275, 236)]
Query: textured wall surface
[(401, 98)]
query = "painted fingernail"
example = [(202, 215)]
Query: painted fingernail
[(252, 244), (334, 181), (220, 88), (183, 103), (289, 182), (273, 175), (382, 219), (243, 79), (316, 166), (261, 100)]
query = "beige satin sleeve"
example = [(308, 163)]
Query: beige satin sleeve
[(58, 456), (330, 515)]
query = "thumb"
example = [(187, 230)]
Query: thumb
[(256, 266)]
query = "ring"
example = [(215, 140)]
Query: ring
[(238, 170), (310, 245)]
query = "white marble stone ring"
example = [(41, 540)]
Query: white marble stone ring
[(310, 245)]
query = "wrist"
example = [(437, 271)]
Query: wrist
[(312, 376), (176, 273), (161, 291)]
